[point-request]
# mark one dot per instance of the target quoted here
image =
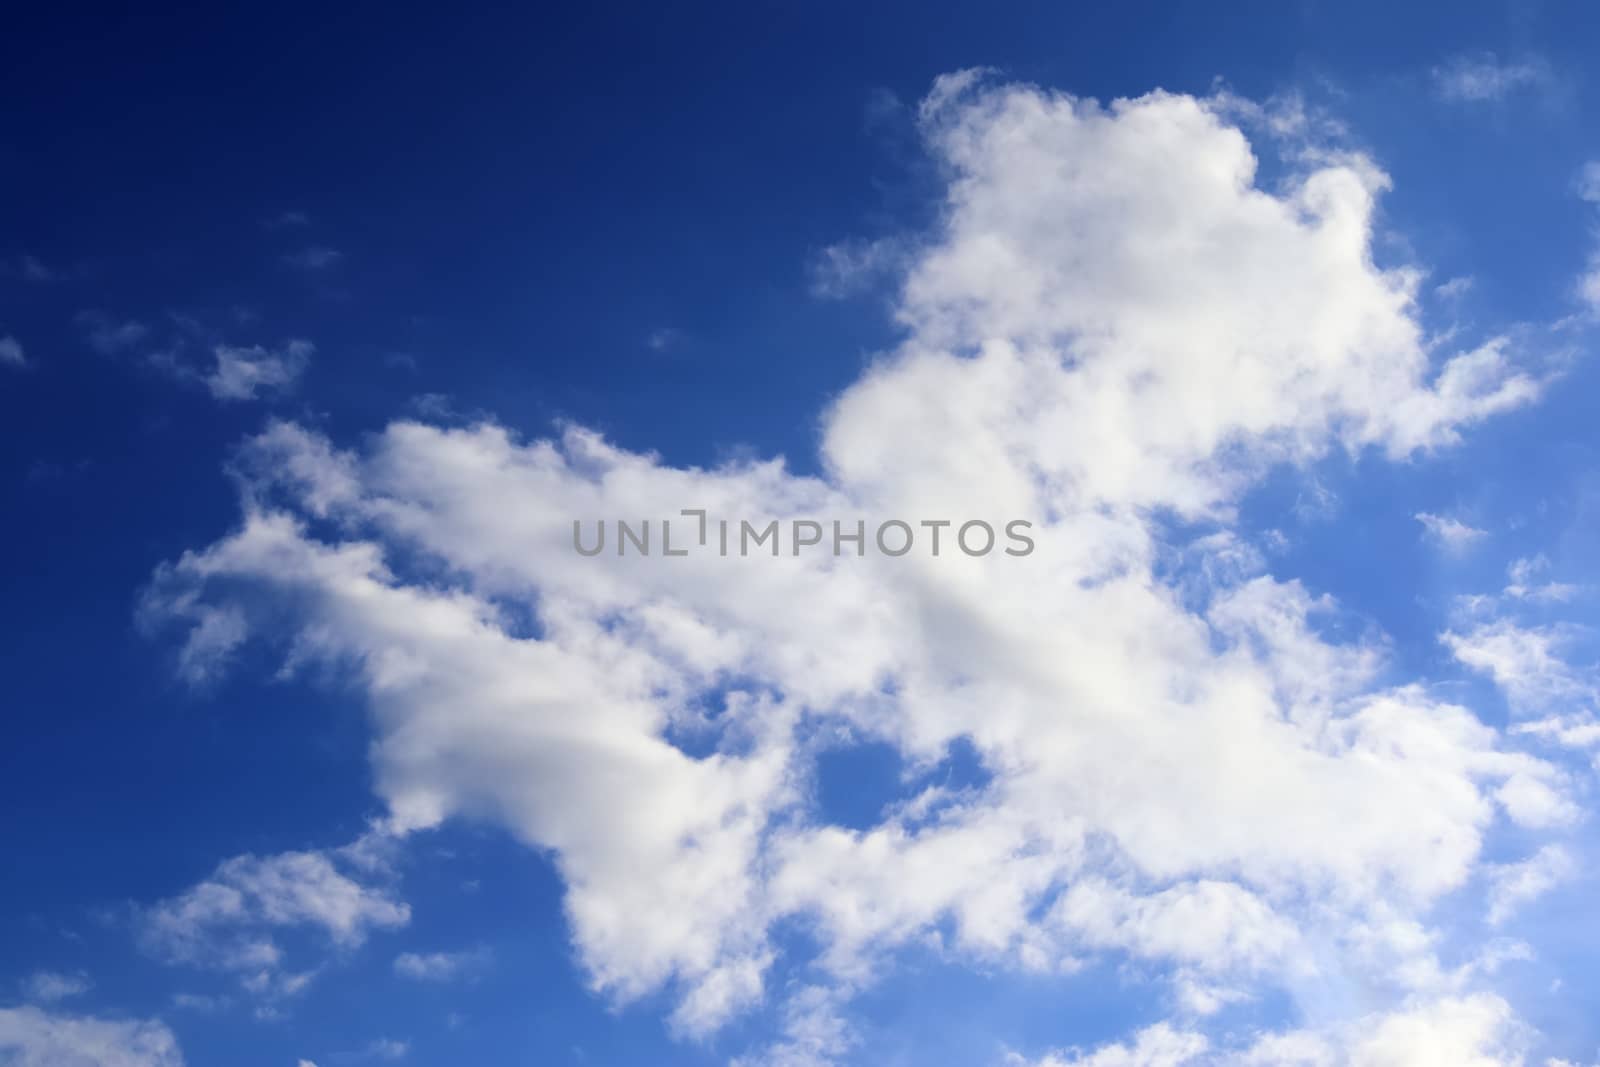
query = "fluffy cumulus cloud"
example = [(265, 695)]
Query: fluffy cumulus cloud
[(1114, 332), (30, 1037)]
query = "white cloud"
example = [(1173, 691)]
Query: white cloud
[(385, 1048), (1485, 77), (1589, 281), (665, 338), (110, 336), (11, 354), (248, 373), (32, 269), (1515, 884), (1476, 1031), (813, 1033), (202, 1002), (1527, 662), (30, 1037), (851, 267), (1112, 324), (228, 920), (1589, 182), (1157, 1046), (235, 372), (1470, 1031), (1215, 925), (440, 966), (47, 987), (1523, 584), (315, 258), (1452, 534), (1572, 731)]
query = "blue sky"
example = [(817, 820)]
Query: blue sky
[(317, 332)]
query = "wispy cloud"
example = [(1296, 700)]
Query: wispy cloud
[(287, 219), (249, 373), (664, 338), (1588, 188), (1452, 534), (1483, 77), (31, 269), (108, 335), (386, 1048), (1515, 884), (314, 258), (441, 966), (850, 268), (1525, 581), (11, 354), (47, 987), (1528, 663), (228, 921)]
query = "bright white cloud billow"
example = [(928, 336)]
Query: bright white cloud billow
[(1113, 326)]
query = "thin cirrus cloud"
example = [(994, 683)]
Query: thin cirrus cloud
[(314, 258), (31, 268), (1484, 77), (1112, 322)]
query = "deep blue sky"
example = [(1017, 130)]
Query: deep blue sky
[(520, 201)]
